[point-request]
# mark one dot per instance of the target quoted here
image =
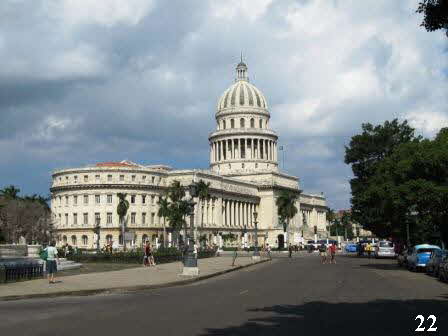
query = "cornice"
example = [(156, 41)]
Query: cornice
[(106, 186), (86, 170)]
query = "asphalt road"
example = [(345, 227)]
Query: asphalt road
[(297, 296)]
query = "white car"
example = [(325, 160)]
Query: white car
[(384, 249)]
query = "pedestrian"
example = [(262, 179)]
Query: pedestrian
[(151, 256), (268, 251), (323, 253), (195, 250), (369, 250), (332, 250), (147, 251), (52, 256), (290, 250)]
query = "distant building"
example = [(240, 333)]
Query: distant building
[(358, 230), (244, 177)]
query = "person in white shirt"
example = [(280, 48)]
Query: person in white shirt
[(52, 256)]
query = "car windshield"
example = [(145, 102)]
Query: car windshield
[(386, 244), (425, 250)]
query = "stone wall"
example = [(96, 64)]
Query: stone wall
[(13, 251)]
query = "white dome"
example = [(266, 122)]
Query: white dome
[(242, 94)]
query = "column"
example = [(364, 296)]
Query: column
[(230, 213), (237, 149), (259, 149), (228, 149), (266, 149), (211, 154)]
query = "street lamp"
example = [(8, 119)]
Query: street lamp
[(190, 261), (256, 254)]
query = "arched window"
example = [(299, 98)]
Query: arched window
[(261, 123), (74, 241), (252, 123), (242, 123), (120, 239), (109, 239), (223, 124), (64, 239), (232, 123), (84, 240), (154, 236), (144, 238)]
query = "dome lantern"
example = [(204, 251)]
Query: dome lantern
[(241, 71)]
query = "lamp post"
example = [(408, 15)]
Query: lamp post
[(190, 260), (256, 254)]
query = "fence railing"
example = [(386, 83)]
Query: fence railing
[(16, 270)]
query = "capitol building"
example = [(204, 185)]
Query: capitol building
[(244, 177)]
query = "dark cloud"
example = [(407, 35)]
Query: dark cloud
[(139, 80)]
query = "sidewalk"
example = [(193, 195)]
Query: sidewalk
[(138, 278)]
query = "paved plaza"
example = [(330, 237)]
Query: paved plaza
[(297, 296), (128, 279)]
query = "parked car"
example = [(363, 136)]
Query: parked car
[(351, 247), (443, 270), (418, 256), (385, 249), (433, 265)]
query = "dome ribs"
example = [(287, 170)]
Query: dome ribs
[(241, 88)]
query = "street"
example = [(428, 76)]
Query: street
[(297, 296)]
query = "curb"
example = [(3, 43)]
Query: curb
[(87, 292)]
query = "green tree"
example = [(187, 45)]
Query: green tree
[(164, 212), (178, 208), (10, 192), (122, 210), (203, 189), (364, 153), (435, 14), (286, 208)]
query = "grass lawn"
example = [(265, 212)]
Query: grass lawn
[(97, 267)]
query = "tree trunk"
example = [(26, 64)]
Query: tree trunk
[(164, 232)]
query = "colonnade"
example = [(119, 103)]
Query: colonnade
[(208, 213), (243, 148), (238, 213)]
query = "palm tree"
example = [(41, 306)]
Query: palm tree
[(178, 208), (286, 207), (122, 209), (10, 192), (164, 212), (203, 194)]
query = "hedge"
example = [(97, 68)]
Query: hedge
[(161, 256)]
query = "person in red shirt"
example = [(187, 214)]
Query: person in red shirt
[(332, 252)]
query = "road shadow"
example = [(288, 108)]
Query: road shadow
[(380, 317)]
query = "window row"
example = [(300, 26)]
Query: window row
[(76, 219), (109, 178), (243, 123), (103, 199)]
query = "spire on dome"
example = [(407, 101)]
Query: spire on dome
[(241, 70)]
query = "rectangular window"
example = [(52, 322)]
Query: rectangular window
[(75, 219), (60, 201), (153, 216), (143, 199), (153, 198), (133, 178), (97, 218), (153, 179), (97, 178), (66, 178), (86, 199), (144, 177), (109, 199), (60, 220), (109, 178), (85, 219), (109, 218), (122, 178), (66, 200), (132, 199), (66, 219), (75, 177), (75, 200), (97, 199), (132, 217), (143, 218), (86, 178)]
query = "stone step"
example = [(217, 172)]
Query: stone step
[(64, 267)]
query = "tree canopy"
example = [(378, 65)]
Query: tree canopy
[(435, 14)]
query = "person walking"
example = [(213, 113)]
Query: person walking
[(369, 250), (52, 256), (268, 251), (332, 251), (147, 251), (290, 250), (323, 253)]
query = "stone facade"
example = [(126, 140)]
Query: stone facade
[(244, 177)]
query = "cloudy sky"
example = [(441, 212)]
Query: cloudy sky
[(83, 81)]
